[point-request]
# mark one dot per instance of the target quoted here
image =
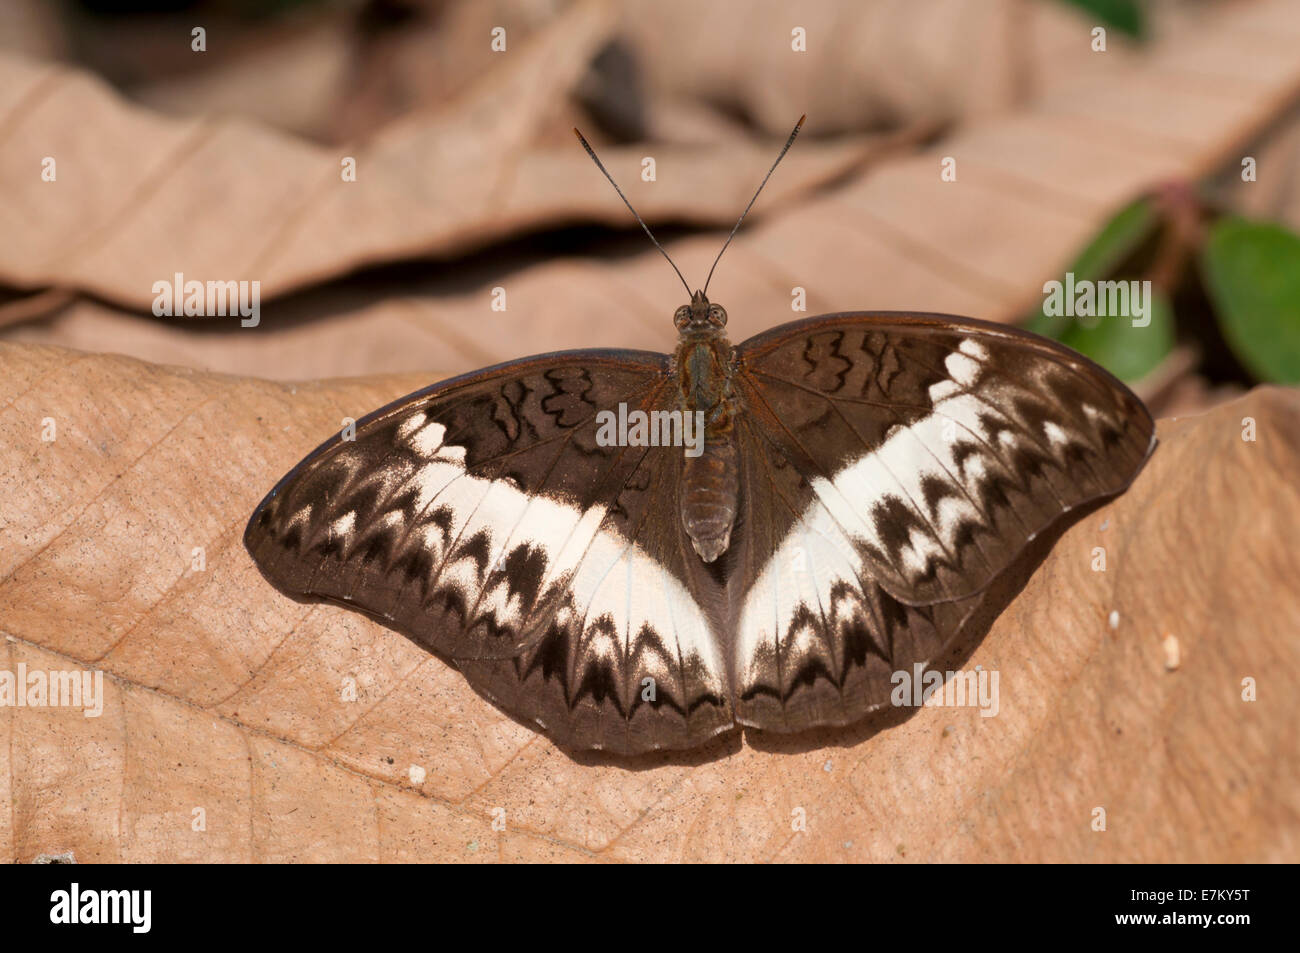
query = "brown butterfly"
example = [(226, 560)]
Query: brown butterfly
[(635, 550)]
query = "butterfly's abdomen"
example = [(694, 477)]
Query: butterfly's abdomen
[(711, 480), (709, 488)]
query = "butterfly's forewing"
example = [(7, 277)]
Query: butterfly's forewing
[(482, 518), (894, 466)]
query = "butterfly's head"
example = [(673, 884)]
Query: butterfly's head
[(700, 315)]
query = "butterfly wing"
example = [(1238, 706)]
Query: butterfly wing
[(630, 661), (892, 466), (815, 638), (895, 465), (483, 519)]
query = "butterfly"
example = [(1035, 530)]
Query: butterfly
[(764, 537)]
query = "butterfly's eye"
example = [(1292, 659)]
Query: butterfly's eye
[(682, 316), (718, 314)]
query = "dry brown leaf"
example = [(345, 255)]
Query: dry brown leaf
[(139, 198), (33, 27), (868, 65), (1032, 188), (862, 65), (1274, 193), (223, 695), (290, 79), (232, 198), (339, 72)]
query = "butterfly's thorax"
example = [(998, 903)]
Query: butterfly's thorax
[(710, 481)]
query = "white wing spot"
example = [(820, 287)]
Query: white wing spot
[(411, 424), (1055, 435), (343, 525), (962, 369), (428, 439)]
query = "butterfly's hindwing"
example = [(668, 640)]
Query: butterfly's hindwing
[(815, 639), (484, 520), (630, 661)]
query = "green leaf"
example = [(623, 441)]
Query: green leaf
[(1123, 15), (1128, 352), (1118, 239), (1252, 272)]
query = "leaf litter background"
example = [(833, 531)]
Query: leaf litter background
[(222, 694)]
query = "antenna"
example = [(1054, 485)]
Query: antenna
[(599, 165), (591, 152), (786, 148)]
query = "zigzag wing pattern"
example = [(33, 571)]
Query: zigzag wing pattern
[(816, 640), (890, 468), (482, 519), (894, 467)]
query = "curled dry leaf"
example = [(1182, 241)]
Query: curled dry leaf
[(226, 701), (232, 198), (289, 77), (139, 198), (852, 65), (1274, 196), (865, 65), (1033, 186)]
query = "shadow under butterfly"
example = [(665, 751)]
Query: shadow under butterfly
[(863, 481)]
